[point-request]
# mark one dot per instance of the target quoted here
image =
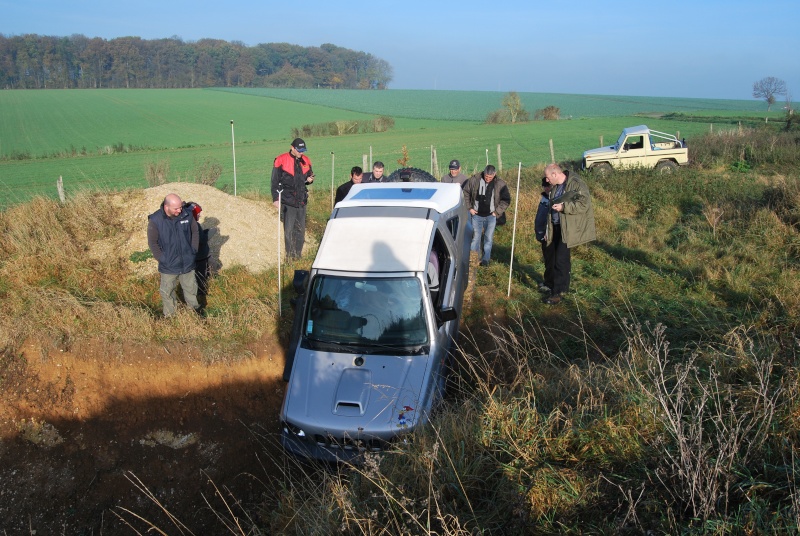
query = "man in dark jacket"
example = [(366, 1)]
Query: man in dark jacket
[(356, 174), (202, 267), (291, 175), (540, 228), (173, 237), (376, 175), (487, 198)]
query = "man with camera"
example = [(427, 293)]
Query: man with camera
[(571, 223)]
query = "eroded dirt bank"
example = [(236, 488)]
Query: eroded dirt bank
[(78, 425)]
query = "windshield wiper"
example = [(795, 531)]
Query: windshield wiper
[(396, 349), (320, 344), (366, 348)]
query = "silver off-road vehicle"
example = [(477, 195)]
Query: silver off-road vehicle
[(375, 319)]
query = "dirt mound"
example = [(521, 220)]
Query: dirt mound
[(241, 231)]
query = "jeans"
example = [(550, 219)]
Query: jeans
[(483, 227)]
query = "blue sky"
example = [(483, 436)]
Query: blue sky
[(675, 48)]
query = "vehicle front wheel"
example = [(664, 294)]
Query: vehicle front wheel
[(666, 167), (603, 169)]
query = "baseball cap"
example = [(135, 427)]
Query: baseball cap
[(455, 164), (299, 144)]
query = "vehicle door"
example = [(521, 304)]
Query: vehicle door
[(633, 152)]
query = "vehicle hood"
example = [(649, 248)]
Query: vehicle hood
[(329, 394), (609, 149)]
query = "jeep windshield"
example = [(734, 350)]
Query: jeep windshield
[(366, 315), (620, 141)]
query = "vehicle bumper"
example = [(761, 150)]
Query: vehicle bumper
[(329, 451)]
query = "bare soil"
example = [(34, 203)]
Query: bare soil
[(80, 425)]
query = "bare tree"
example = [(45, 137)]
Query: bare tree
[(767, 88), (513, 104)]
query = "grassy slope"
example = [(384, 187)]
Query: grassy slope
[(553, 429)]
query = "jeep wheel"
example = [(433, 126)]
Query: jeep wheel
[(666, 167), (603, 169), (410, 175)]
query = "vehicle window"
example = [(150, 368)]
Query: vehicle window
[(452, 225), (438, 268), (366, 312), (636, 142)]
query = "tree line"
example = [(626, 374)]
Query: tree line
[(47, 62)]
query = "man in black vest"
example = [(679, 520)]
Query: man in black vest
[(376, 175), (173, 237)]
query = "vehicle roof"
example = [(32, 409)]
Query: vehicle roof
[(635, 131), (375, 244), (438, 196)]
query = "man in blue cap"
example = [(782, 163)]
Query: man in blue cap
[(455, 175)]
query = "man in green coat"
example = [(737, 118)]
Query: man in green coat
[(571, 223)]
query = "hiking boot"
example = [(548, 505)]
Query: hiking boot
[(555, 299), (544, 289), (484, 263)]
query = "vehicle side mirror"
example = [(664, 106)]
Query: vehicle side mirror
[(445, 314), (299, 281)]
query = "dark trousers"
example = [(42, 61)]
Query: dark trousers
[(202, 271), (548, 253), (294, 229), (562, 264)]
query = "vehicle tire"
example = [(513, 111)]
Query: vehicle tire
[(666, 167), (602, 169), (410, 175)]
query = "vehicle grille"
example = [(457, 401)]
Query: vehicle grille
[(347, 443)]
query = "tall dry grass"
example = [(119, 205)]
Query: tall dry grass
[(55, 289), (649, 440)]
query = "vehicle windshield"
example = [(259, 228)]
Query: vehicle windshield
[(620, 141), (374, 315)]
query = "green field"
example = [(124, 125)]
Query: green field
[(474, 105), (106, 138)]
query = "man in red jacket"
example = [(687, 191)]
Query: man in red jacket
[(291, 175)]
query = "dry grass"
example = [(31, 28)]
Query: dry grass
[(55, 291)]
